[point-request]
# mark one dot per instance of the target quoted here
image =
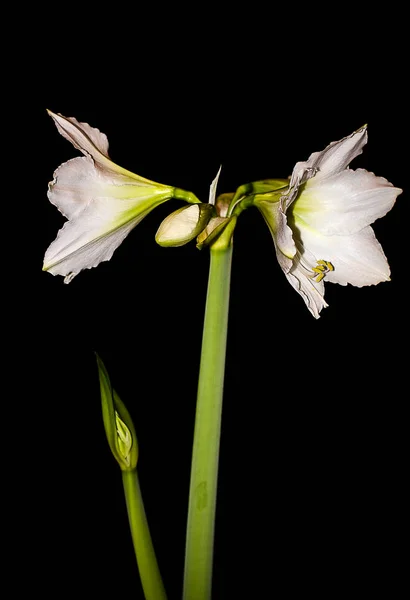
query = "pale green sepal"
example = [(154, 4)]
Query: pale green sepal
[(118, 424), (183, 225)]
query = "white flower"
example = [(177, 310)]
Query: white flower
[(320, 222), (101, 200)]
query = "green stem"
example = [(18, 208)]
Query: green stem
[(205, 456), (144, 550), (189, 197)]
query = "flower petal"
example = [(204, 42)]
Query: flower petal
[(281, 232), (74, 185), (91, 142), (333, 159), (300, 277), (344, 203), (94, 233), (357, 259), (337, 155), (77, 182)]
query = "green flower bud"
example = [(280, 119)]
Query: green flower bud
[(118, 425), (183, 225)]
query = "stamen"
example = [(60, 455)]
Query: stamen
[(322, 267)]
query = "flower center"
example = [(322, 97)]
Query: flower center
[(322, 267)]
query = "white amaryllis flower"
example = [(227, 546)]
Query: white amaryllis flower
[(101, 200), (320, 222)]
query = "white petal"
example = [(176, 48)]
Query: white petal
[(74, 185), (94, 233), (77, 182), (300, 277), (337, 155), (91, 142), (357, 259), (85, 138), (333, 159), (345, 202), (280, 230), (212, 189)]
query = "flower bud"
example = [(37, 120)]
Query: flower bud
[(183, 225), (118, 425)]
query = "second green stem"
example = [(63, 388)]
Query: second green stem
[(144, 550)]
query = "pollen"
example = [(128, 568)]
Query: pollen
[(322, 268)]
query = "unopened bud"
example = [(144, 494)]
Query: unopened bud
[(183, 225), (118, 425)]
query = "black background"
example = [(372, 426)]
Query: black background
[(313, 438)]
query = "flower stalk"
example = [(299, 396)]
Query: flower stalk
[(144, 550), (205, 455)]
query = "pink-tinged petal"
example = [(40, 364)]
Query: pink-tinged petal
[(344, 203), (357, 259)]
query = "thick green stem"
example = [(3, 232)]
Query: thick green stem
[(205, 456), (144, 550)]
